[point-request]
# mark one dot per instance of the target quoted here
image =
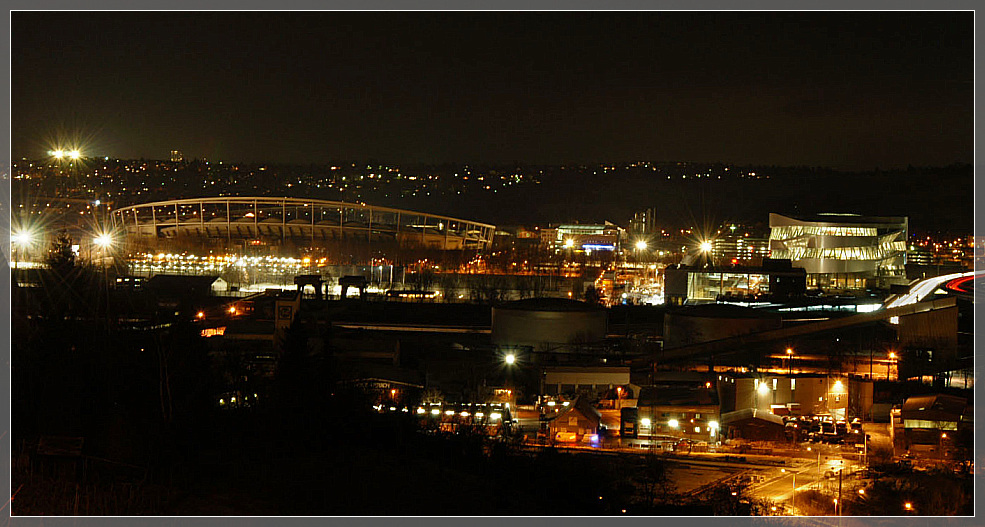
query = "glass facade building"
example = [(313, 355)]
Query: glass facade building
[(841, 251)]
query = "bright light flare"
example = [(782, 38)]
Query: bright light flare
[(57, 154), (21, 238), (75, 154), (510, 359), (673, 423), (104, 240), (641, 245), (705, 247)]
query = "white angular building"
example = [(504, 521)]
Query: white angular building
[(841, 251)]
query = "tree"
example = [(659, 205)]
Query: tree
[(592, 295), (432, 395), (654, 480), (61, 259)]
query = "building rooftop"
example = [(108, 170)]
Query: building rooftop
[(722, 311), (677, 394), (549, 304), (840, 219), (936, 407)]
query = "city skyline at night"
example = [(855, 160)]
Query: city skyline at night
[(459, 263)]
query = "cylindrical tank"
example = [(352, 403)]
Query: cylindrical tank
[(547, 323)]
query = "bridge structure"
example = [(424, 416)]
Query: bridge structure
[(741, 345)]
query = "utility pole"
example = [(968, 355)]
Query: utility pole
[(839, 491)]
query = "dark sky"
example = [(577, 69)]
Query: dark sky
[(846, 90)]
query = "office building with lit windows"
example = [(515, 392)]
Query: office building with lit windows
[(841, 251), (585, 237), (739, 250)]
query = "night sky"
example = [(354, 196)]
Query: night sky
[(844, 90)]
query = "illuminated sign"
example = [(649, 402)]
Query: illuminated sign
[(212, 332)]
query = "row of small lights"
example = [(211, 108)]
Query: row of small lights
[(435, 411), (673, 423)]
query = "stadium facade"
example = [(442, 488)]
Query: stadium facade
[(289, 224)]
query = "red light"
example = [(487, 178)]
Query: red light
[(957, 283)]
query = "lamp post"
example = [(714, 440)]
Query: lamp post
[(510, 360), (793, 494), (817, 482), (790, 361), (889, 368), (104, 241), (640, 248), (19, 240)]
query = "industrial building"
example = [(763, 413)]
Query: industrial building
[(548, 324), (775, 279), (583, 237)]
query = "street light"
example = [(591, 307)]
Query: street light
[(103, 240), (793, 495), (818, 480), (790, 361), (641, 245), (20, 240), (510, 359), (705, 247)]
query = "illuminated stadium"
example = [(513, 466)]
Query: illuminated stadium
[(287, 226)]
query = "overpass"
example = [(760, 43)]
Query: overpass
[(739, 344), (921, 290)]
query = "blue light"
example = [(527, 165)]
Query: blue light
[(596, 247)]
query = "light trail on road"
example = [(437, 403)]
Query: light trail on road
[(925, 288)]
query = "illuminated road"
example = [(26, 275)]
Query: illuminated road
[(923, 289), (779, 485)]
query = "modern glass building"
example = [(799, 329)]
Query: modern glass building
[(841, 251)]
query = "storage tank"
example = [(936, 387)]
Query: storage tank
[(547, 323)]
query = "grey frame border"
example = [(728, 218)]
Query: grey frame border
[(508, 5)]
